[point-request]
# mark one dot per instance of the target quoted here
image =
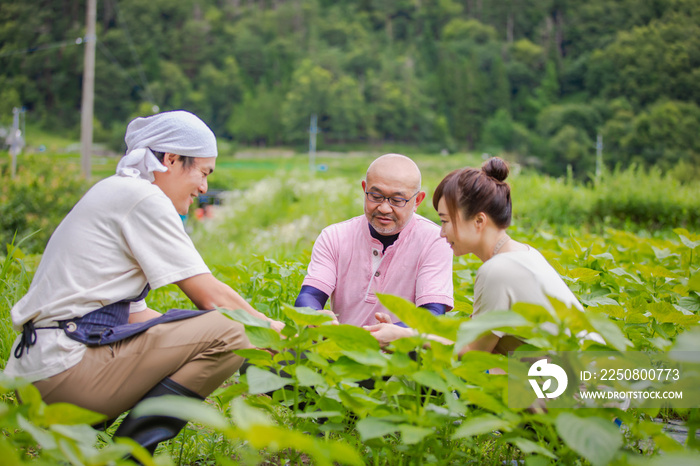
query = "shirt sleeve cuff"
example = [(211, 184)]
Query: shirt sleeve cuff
[(137, 306), (319, 285), (436, 298)]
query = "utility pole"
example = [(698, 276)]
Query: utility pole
[(598, 157), (313, 130), (86, 110), (15, 139)]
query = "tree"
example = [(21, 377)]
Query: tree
[(658, 60), (665, 134), (472, 77), (309, 94), (257, 118), (502, 133)]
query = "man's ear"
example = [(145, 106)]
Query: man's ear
[(169, 159), (419, 198), (364, 186)]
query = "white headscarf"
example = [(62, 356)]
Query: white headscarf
[(178, 132)]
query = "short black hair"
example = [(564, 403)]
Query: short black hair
[(187, 161)]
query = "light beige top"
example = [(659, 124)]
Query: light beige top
[(517, 277)]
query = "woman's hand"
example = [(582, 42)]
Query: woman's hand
[(386, 333)]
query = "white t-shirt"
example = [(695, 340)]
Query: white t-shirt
[(123, 234), (518, 277)]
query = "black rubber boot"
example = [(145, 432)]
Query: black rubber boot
[(149, 431)]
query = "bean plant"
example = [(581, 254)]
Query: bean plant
[(328, 394)]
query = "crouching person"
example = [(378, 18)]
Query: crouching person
[(87, 334)]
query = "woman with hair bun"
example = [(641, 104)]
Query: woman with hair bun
[(474, 206)]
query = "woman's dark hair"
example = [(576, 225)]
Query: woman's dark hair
[(470, 191), (187, 161)]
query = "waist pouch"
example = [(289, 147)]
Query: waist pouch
[(106, 326), (103, 326)]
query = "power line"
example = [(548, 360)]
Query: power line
[(110, 56), (79, 41), (37, 48)]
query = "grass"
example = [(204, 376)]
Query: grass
[(259, 242)]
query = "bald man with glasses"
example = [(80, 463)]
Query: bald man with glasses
[(390, 249)]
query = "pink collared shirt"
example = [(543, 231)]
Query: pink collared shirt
[(347, 264)]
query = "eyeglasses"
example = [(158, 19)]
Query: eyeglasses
[(393, 200)]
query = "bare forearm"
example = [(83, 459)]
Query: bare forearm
[(206, 292)]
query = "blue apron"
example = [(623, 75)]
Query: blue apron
[(103, 326)]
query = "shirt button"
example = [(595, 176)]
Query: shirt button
[(375, 252), (377, 273)]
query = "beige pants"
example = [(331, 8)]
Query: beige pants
[(110, 379)]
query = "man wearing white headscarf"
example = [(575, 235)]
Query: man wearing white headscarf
[(87, 334)]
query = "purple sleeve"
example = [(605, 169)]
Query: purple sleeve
[(435, 309), (311, 297)]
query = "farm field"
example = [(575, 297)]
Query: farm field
[(626, 244)]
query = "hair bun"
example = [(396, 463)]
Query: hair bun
[(496, 167)]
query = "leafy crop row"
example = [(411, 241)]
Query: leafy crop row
[(328, 394)]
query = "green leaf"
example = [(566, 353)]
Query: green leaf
[(368, 357), (687, 347), (688, 243), (582, 274), (8, 453), (239, 315), (430, 379), (255, 356), (245, 416), (530, 447), (304, 315), (349, 337), (68, 414), (480, 398), (604, 256), (371, 427), (611, 310), (356, 400), (420, 318), (322, 453), (480, 361), (410, 435), (42, 437), (620, 272), (264, 337), (691, 303), (480, 425), (534, 313), (675, 459), (309, 378), (662, 254), (318, 414), (610, 332), (599, 301), (665, 313), (262, 381), (694, 282), (472, 329), (349, 369), (183, 408), (655, 271), (596, 439)]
